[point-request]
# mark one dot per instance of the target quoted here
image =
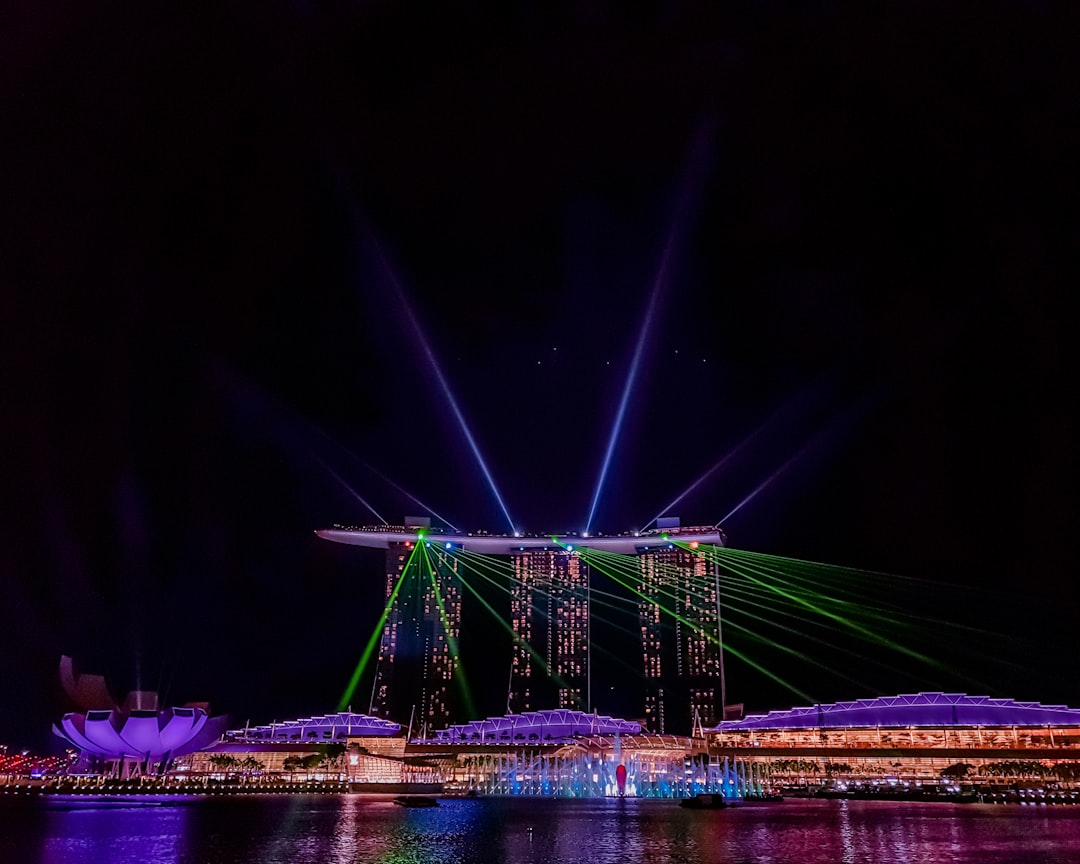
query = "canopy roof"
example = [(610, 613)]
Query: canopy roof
[(914, 709), (536, 726), (326, 727)]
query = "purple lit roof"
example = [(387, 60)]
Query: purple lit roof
[(507, 544), (535, 726), (913, 709), (141, 734), (327, 727)]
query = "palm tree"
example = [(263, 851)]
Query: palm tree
[(958, 770), (249, 764), (292, 764), (223, 762)]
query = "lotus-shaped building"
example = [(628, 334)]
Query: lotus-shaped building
[(136, 734), (146, 736)]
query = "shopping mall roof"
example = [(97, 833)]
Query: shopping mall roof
[(326, 727), (914, 709), (537, 726)]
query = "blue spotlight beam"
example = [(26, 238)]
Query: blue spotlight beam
[(444, 384), (631, 376), (689, 185)]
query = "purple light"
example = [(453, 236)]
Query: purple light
[(913, 709), (813, 442), (553, 725), (350, 490), (143, 734), (716, 467), (764, 484), (410, 496)]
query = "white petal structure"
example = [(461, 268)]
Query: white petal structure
[(152, 735)]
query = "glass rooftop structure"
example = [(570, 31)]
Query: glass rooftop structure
[(915, 709), (535, 726)]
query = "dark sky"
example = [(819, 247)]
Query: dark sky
[(853, 224)]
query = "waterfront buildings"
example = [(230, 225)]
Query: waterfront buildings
[(417, 658), (679, 615), (134, 737), (549, 588), (922, 744), (368, 753), (910, 738)]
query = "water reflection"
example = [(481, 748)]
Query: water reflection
[(78, 829), (353, 829)]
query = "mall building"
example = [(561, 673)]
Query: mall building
[(913, 737)]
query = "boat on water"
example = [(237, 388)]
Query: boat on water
[(416, 801), (705, 801)]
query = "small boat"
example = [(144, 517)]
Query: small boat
[(416, 801), (705, 801)]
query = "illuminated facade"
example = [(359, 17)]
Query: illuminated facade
[(572, 754), (549, 612), (681, 652), (549, 615), (908, 739), (417, 659)]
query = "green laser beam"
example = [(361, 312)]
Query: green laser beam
[(726, 646), (354, 681), (517, 639), (451, 640), (593, 646), (855, 627)]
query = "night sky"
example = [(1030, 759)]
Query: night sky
[(851, 224)]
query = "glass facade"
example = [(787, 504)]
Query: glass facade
[(677, 613), (549, 612), (417, 658)]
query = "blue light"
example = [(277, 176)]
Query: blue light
[(449, 545), (430, 354), (569, 548), (697, 164)]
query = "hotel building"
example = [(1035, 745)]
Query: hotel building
[(416, 662), (549, 613), (681, 652)]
